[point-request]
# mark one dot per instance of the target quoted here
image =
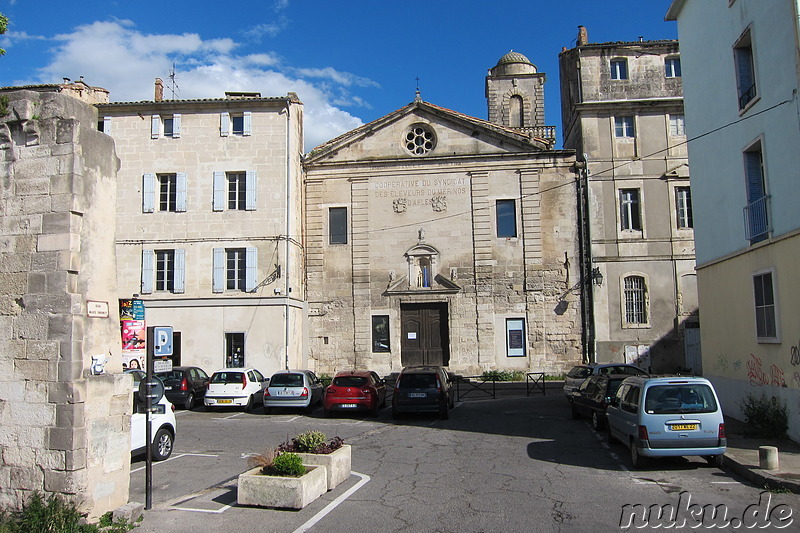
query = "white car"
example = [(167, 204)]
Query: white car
[(235, 387), (163, 429)]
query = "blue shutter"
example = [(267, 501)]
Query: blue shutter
[(155, 126), (176, 125), (248, 123), (148, 193), (179, 285), (744, 68), (251, 183), (219, 191), (224, 123), (218, 277), (755, 181), (147, 271), (251, 268), (180, 192)]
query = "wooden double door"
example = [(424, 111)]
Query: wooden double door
[(425, 334)]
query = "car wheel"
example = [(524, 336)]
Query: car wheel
[(189, 402), (249, 405), (575, 414), (162, 445), (637, 459), (597, 422), (373, 412), (444, 412), (714, 460)]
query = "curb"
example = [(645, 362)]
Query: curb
[(759, 477)]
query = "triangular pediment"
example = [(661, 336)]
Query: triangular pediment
[(421, 131), (681, 171)]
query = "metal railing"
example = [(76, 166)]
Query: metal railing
[(487, 386), (757, 219), (534, 381)]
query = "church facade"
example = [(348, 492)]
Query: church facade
[(433, 237)]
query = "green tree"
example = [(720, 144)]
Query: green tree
[(3, 28)]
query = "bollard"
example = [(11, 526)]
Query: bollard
[(768, 458)]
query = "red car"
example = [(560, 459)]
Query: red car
[(355, 390)]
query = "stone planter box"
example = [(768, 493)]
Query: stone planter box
[(337, 464), (258, 489)]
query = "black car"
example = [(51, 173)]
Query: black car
[(594, 395), (184, 386), (423, 389)]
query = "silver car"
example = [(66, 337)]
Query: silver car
[(293, 388)]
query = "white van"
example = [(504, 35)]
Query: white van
[(163, 425), (667, 417)]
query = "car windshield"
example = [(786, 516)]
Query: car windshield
[(679, 399), (580, 372), (349, 381), (417, 381), (286, 380), (227, 377)]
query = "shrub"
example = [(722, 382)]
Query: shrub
[(767, 416), (55, 515), (308, 441), (263, 460), (503, 375), (288, 464)]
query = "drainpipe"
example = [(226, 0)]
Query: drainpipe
[(288, 227), (588, 337)]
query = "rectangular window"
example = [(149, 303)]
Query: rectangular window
[(756, 211), (165, 270), (380, 334), (630, 210), (235, 268), (515, 337), (683, 207), (167, 192), (237, 190), (237, 124), (745, 71), (677, 126), (619, 69), (234, 350), (337, 225), (672, 67), (168, 126), (766, 322), (506, 218), (635, 293), (623, 127)]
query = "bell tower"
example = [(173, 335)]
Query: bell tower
[(515, 93)]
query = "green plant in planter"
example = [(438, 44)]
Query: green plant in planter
[(308, 441), (288, 465), (263, 460)]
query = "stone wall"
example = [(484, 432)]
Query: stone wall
[(65, 431)]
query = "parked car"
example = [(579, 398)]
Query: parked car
[(355, 390), (293, 388), (667, 417), (594, 396), (423, 389), (579, 373), (235, 387), (163, 428), (184, 385)]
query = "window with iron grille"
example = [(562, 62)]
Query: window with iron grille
[(167, 192), (165, 270), (683, 206), (630, 214), (635, 300), (766, 322), (237, 190)]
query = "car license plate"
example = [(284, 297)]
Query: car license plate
[(286, 392), (683, 427), (168, 388), (347, 405), (224, 401), (417, 394)]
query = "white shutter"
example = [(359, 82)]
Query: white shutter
[(251, 184), (218, 276), (248, 123), (176, 125), (147, 271), (148, 193), (107, 125), (179, 285), (224, 123), (251, 269), (219, 191), (155, 126), (180, 192)]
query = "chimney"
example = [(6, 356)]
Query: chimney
[(159, 90), (583, 36)]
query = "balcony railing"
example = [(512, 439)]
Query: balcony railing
[(746, 95), (548, 133), (757, 220)]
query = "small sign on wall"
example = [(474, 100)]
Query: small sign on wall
[(412, 335), (95, 309), (515, 337)]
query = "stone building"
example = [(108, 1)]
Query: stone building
[(65, 426), (622, 112), (209, 224), (435, 237)]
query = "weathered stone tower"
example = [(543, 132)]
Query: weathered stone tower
[(65, 430), (515, 93)]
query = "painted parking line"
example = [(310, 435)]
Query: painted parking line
[(334, 504), (172, 458)]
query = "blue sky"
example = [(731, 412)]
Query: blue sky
[(350, 61)]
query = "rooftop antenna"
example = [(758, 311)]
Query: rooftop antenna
[(173, 85), (418, 97)]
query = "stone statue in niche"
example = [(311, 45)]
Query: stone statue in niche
[(453, 273), (439, 203), (399, 205), (421, 234), (392, 275)]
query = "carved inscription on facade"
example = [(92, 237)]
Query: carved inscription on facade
[(410, 192)]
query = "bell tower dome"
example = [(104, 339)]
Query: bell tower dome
[(515, 93)]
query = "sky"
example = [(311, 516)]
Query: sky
[(349, 61)]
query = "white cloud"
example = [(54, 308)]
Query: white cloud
[(116, 56)]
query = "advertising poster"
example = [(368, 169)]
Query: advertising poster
[(133, 330)]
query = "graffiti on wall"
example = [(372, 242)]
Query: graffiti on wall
[(758, 376)]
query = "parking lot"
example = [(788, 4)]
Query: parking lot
[(515, 463)]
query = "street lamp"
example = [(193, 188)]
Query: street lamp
[(597, 276)]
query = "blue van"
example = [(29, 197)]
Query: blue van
[(667, 417)]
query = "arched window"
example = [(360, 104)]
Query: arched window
[(515, 113), (422, 264), (635, 293)]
